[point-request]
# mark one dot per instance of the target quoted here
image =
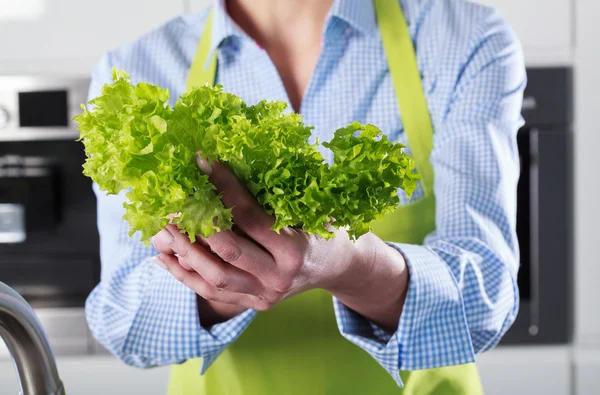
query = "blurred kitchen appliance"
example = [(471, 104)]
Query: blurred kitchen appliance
[(48, 235), (49, 247), (545, 210)]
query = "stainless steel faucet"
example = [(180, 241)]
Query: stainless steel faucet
[(28, 346)]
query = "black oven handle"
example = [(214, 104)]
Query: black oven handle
[(534, 231)]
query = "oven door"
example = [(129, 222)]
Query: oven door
[(49, 245), (545, 233)]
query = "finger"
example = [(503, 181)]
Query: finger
[(248, 215), (241, 252), (203, 288), (186, 266), (162, 242), (202, 244), (218, 273)]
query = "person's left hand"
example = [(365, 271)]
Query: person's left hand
[(254, 267)]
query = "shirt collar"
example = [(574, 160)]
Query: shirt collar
[(223, 26), (359, 14)]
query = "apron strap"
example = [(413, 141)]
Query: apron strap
[(200, 72), (406, 78)]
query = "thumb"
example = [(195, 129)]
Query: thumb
[(225, 181), (248, 215), (221, 177), (203, 164)]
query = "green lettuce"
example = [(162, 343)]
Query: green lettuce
[(135, 141)]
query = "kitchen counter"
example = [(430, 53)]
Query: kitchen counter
[(96, 375), (86, 368), (506, 370), (528, 370)]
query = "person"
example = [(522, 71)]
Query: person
[(249, 311)]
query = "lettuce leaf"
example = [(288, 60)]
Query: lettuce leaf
[(135, 141)]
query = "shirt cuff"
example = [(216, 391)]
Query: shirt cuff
[(368, 336), (432, 331), (167, 328), (221, 335)]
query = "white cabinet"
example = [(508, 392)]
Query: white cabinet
[(69, 36), (545, 28)]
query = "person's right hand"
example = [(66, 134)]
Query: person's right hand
[(210, 311), (209, 270)]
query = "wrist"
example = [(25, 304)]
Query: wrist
[(371, 263), (375, 283), (211, 313)]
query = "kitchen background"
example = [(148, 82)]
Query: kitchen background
[(553, 348)]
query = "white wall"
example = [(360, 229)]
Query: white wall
[(69, 36), (198, 5), (545, 28)]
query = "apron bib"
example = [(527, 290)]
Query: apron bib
[(296, 348)]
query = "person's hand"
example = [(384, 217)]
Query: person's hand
[(254, 267)]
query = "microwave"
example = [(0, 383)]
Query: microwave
[(40, 108)]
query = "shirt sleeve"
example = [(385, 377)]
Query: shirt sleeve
[(138, 311), (462, 294)]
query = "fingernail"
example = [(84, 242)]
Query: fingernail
[(203, 164), (160, 262), (164, 237)]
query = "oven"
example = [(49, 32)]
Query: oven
[(48, 237), (545, 211)]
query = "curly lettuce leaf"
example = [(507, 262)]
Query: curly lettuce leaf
[(135, 141)]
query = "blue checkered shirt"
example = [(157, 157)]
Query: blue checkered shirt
[(462, 295)]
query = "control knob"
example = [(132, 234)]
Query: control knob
[(4, 117)]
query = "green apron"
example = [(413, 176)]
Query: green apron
[(296, 348)]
